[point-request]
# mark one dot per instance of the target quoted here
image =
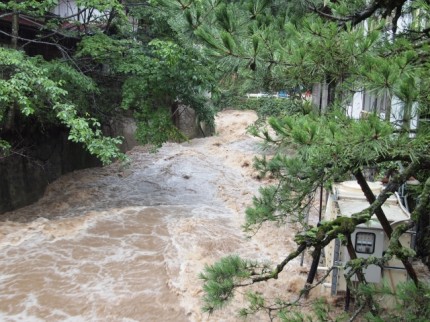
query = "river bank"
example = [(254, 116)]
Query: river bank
[(126, 243)]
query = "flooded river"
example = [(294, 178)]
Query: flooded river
[(126, 243)]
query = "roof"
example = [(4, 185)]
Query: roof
[(39, 24), (23, 20), (350, 199)]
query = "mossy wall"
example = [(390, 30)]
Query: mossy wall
[(39, 160)]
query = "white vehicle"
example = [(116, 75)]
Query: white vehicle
[(257, 95)]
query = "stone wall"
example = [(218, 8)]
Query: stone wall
[(25, 174), (184, 118), (188, 124), (124, 126)]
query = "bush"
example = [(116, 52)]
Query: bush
[(268, 106)]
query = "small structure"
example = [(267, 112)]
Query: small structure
[(369, 239)]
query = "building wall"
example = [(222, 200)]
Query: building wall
[(66, 8), (320, 96), (364, 102)]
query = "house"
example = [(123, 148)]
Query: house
[(51, 35), (34, 37), (364, 102)]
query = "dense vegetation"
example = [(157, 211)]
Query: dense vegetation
[(181, 48), (351, 46), (99, 64)]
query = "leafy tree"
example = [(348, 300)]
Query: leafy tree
[(28, 87), (37, 93), (380, 46), (155, 78), (107, 66)]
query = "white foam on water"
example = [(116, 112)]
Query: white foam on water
[(106, 265), (127, 243)]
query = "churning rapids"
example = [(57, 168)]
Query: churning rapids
[(127, 243)]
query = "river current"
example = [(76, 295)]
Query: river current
[(127, 242)]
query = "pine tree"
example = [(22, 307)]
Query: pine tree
[(380, 46)]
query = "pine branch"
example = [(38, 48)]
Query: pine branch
[(357, 312), (362, 15), (280, 267), (371, 198), (395, 183)]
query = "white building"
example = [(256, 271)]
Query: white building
[(70, 10)]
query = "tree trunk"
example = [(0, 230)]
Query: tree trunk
[(10, 116), (315, 261), (388, 107), (371, 198), (360, 276), (407, 115), (422, 216), (383, 220), (15, 30), (331, 90), (314, 267), (353, 255)]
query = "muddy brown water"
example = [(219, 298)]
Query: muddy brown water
[(126, 243)]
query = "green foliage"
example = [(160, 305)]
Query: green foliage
[(155, 127), (220, 279), (4, 147), (327, 148), (180, 51), (412, 303), (350, 45), (41, 7), (28, 88), (100, 5), (146, 70), (21, 80), (156, 76), (86, 131), (293, 316), (256, 303), (270, 106), (79, 87), (33, 6), (321, 312), (96, 15)]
